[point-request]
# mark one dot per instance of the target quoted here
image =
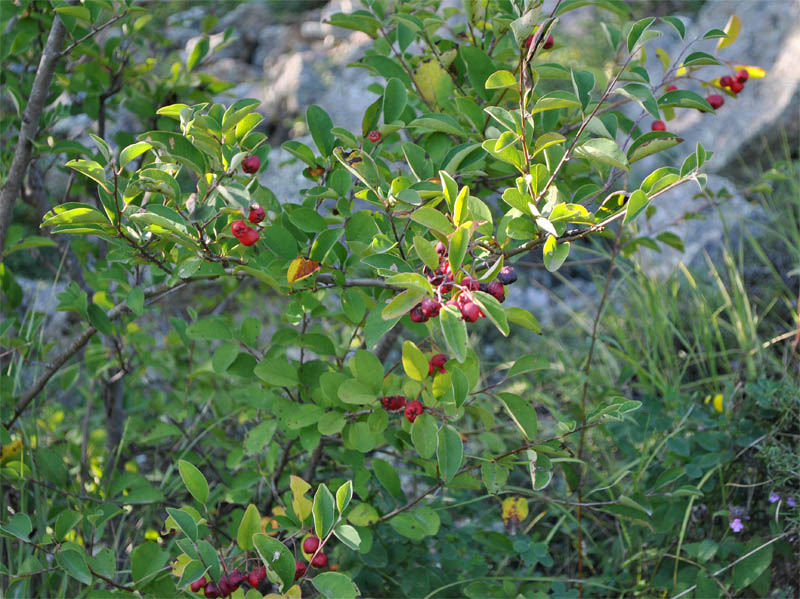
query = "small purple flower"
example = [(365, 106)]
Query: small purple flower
[(790, 501), (736, 525), (773, 497)]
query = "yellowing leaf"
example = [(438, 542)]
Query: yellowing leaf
[(300, 503), (732, 29), (179, 564), (10, 451), (433, 81), (300, 268), (754, 72), (515, 510)]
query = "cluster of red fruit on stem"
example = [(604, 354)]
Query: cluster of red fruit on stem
[(735, 83), (436, 363), (442, 278), (229, 583), (311, 546), (374, 136), (411, 409), (241, 231)]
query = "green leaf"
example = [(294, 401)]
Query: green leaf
[(248, 526), (460, 212), (500, 79), (363, 514), (479, 68), (91, 169), (191, 572), (432, 219), (185, 522), (493, 311), (636, 203), (353, 391), (676, 24), (395, 98), (652, 143), (414, 362), (555, 100), (333, 585), (637, 30), (277, 371), (135, 300), (443, 123), (605, 151), (410, 280), (146, 561), (643, 95), (529, 363), (178, 147), (212, 327), (545, 141), (424, 435), (749, 569), (73, 213), (388, 477), (323, 511), (416, 524), (65, 522), (99, 319), (554, 253), (19, 525), (583, 83), (198, 53), (210, 558), (682, 98), (276, 558), (320, 125), (523, 318), (132, 151), (402, 303), (455, 332), (259, 436), (522, 413), (73, 563), (343, 496), (78, 12), (449, 452), (459, 244), (696, 59), (426, 252), (348, 535), (194, 480)]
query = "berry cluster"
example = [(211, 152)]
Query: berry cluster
[(311, 545), (736, 83), (241, 231), (394, 403), (229, 583), (442, 278), (436, 363)]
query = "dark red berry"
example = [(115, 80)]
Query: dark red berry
[(236, 578), (672, 88), (211, 591), (528, 42), (251, 164), (549, 43), (238, 228), (374, 136), (417, 315), (658, 126), (441, 248), (507, 275), (470, 283), (198, 584), (257, 214), (253, 579), (742, 76), (447, 286), (249, 237), (320, 561), (311, 544), (726, 81), (470, 311), (225, 587), (715, 100), (391, 403), (299, 570), (430, 307), (437, 362), (413, 409), (497, 290), (737, 86)]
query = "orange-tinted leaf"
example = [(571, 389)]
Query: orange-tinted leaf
[(300, 268)]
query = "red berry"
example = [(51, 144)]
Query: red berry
[(198, 584), (715, 100), (742, 76), (497, 290), (374, 136), (311, 544), (549, 43), (391, 403), (439, 360), (447, 286), (413, 409), (507, 275), (441, 249), (470, 283), (211, 591), (737, 86), (320, 561), (257, 214), (726, 81), (225, 587), (470, 311), (672, 88), (249, 237), (238, 228), (528, 42), (417, 315), (236, 578), (251, 164), (658, 126), (430, 307), (253, 579), (299, 570)]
